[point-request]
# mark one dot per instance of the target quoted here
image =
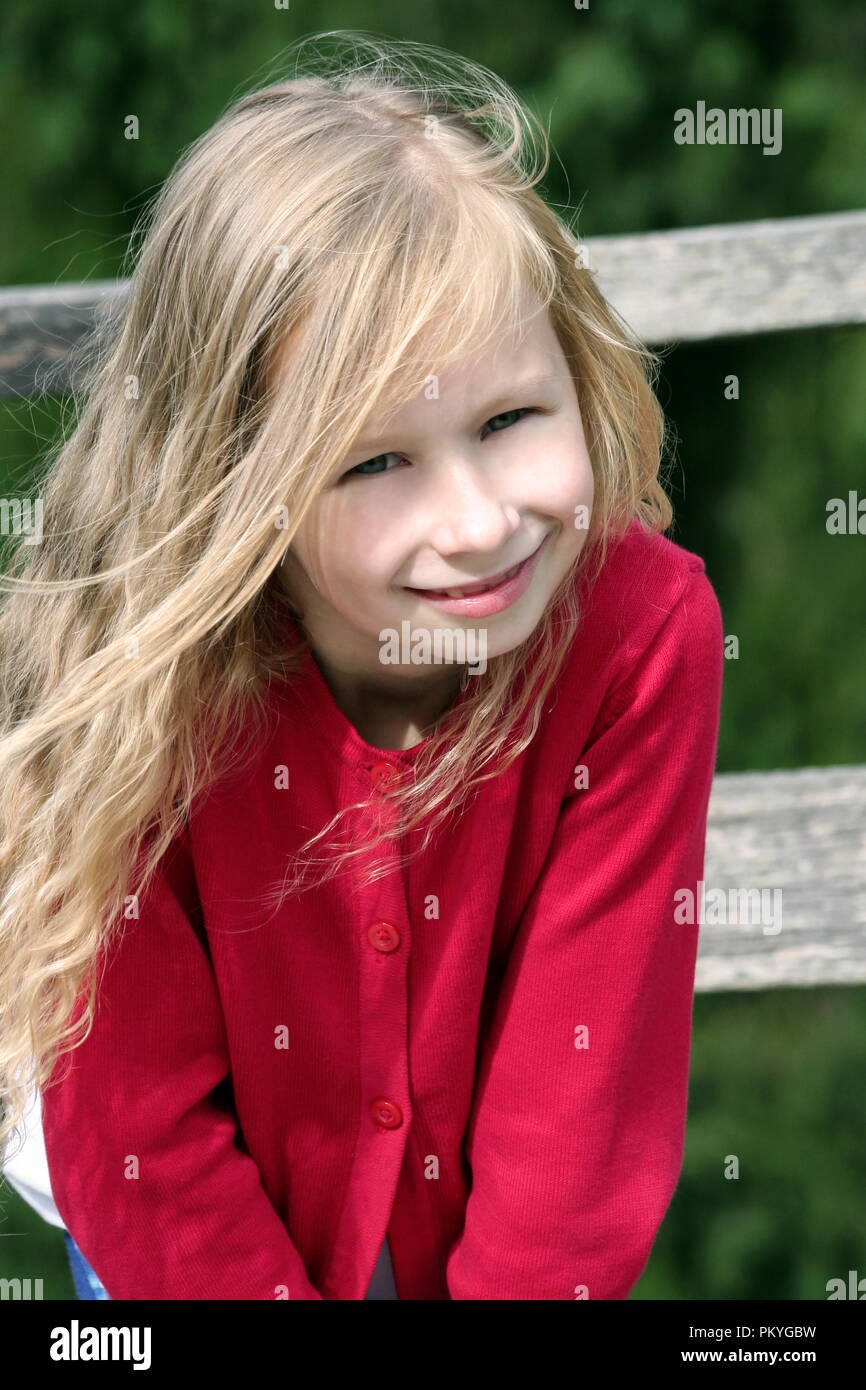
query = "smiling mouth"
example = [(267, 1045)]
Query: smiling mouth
[(483, 586)]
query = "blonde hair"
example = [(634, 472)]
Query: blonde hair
[(382, 196)]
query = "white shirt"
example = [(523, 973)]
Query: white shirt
[(27, 1169)]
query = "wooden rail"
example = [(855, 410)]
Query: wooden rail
[(784, 901), (737, 278), (680, 286), (801, 838)]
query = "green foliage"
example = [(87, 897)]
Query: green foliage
[(32, 1249), (777, 1081)]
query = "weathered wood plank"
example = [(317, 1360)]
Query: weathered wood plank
[(801, 832), (38, 326), (678, 286), (736, 278)]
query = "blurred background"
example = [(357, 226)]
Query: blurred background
[(778, 1077)]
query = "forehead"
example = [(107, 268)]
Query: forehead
[(451, 377), (284, 349), (509, 362), (529, 345)]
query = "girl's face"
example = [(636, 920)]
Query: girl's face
[(484, 468)]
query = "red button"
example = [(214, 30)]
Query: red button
[(382, 773), (384, 936), (386, 1113)]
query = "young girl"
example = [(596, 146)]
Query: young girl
[(359, 729)]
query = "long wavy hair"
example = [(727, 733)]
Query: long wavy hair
[(382, 195)]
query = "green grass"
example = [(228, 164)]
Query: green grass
[(30, 1248), (777, 1081)]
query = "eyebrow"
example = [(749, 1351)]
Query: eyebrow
[(489, 409)]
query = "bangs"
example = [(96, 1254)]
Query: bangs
[(428, 268), (462, 287)]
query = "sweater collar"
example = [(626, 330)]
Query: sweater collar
[(332, 723)]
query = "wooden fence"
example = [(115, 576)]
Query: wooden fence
[(786, 851)]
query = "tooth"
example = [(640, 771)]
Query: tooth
[(467, 593)]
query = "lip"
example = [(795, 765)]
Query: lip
[(491, 600)]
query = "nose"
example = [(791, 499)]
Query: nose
[(466, 514)]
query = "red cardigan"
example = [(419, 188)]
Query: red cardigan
[(484, 1054)]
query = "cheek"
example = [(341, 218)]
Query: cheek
[(340, 547), (562, 477)]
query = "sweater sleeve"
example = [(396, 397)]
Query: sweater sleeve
[(576, 1133), (147, 1168)]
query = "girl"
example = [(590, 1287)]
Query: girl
[(360, 530)]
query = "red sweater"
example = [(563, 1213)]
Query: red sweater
[(484, 1054)]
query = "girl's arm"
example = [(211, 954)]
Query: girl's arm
[(143, 1163), (576, 1134)]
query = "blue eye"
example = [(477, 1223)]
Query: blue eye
[(510, 417), (369, 464), (370, 469)]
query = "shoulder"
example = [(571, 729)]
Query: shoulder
[(644, 571), (644, 581), (649, 605)]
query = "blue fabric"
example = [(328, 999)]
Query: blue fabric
[(382, 1284), (87, 1286)]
